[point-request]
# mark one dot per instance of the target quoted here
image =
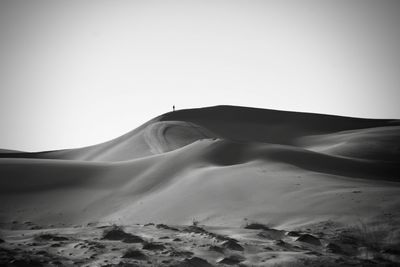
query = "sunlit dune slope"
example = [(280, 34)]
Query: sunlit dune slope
[(151, 138)]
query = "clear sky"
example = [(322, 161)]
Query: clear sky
[(76, 73)]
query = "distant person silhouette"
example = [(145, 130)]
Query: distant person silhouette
[(173, 108)]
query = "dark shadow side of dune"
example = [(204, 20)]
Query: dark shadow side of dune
[(271, 126), (228, 153)]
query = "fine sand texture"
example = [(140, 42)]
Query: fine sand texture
[(217, 186)]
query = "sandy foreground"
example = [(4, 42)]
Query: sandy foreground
[(218, 186)]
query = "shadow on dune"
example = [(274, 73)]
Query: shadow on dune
[(226, 153), (270, 126)]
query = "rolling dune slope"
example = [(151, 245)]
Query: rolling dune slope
[(218, 165)]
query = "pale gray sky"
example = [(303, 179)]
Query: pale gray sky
[(75, 73)]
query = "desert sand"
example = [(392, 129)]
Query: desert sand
[(217, 186)]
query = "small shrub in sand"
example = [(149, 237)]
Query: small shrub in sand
[(116, 232), (195, 222), (376, 238)]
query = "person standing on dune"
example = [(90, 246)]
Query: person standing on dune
[(173, 108)]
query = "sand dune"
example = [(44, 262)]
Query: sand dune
[(221, 166), (178, 146)]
